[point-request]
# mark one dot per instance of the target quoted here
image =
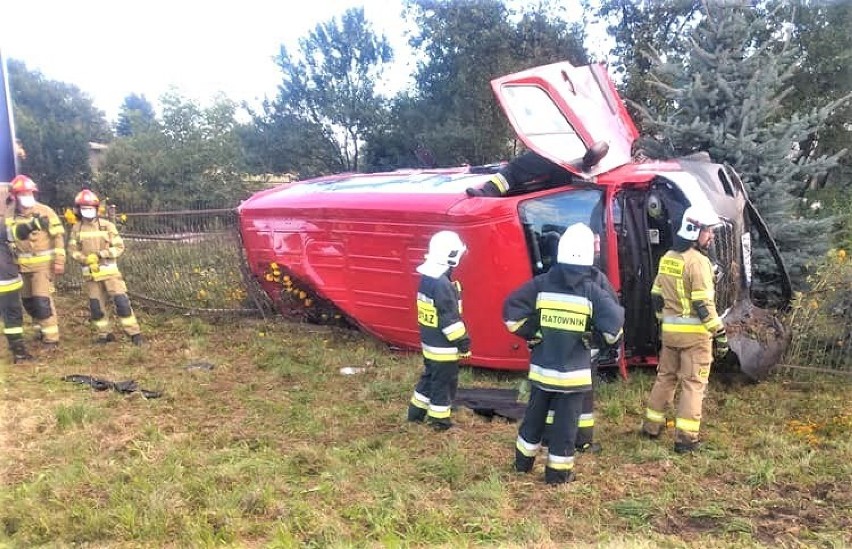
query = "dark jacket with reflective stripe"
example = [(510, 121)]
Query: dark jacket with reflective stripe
[(562, 305), (443, 334), (8, 267)]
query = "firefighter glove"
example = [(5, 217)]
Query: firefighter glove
[(534, 340), (92, 261), (720, 345)]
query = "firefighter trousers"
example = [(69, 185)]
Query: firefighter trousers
[(435, 391), (563, 433), (12, 315), (101, 292), (689, 367), (586, 420), (37, 298)]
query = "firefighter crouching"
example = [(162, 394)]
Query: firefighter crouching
[(96, 245), (558, 308), (11, 311), (684, 299), (443, 334), (40, 257)]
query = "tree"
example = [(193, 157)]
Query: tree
[(136, 115), (55, 122), (726, 98), (192, 157), (644, 30), (331, 86)]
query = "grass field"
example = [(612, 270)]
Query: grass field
[(274, 447)]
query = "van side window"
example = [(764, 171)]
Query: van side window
[(545, 218)]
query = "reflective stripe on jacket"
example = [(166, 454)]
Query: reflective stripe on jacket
[(99, 237), (443, 334), (685, 282), (560, 307), (42, 248)]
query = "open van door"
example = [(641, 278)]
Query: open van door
[(570, 115)]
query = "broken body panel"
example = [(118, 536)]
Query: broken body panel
[(354, 240)]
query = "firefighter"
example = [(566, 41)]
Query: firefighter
[(683, 296), (40, 258), (96, 245), (443, 334), (558, 308), (11, 311), (528, 167)]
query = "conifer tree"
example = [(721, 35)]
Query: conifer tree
[(725, 98)]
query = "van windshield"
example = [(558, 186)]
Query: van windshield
[(545, 218)]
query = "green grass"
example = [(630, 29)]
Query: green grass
[(274, 447)]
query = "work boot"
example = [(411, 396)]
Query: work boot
[(50, 346), (439, 424), (416, 414), (103, 339), (552, 476), (137, 340), (645, 434), (19, 352), (686, 447), (589, 447), (523, 464)]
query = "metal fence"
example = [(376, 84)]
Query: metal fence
[(189, 260), (821, 319)]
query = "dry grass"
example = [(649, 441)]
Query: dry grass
[(273, 447)]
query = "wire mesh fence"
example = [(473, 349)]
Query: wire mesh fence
[(821, 319), (190, 260)]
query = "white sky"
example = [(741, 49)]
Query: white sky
[(110, 49)]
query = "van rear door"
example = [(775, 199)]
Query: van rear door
[(560, 110)]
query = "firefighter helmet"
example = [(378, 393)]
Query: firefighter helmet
[(87, 198), (696, 218), (445, 248), (576, 246), (22, 184)]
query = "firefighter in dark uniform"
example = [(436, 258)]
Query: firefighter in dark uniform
[(527, 168), (96, 245), (443, 334), (41, 258), (684, 299), (559, 307), (11, 310)]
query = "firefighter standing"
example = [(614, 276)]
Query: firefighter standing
[(683, 295), (40, 258), (11, 311), (558, 308), (443, 335), (96, 245)]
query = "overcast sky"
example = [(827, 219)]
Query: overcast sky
[(110, 49)]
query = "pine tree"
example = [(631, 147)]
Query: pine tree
[(726, 98)]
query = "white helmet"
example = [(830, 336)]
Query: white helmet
[(696, 218), (445, 248), (576, 246)]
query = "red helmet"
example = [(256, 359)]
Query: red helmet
[(22, 184), (87, 198)]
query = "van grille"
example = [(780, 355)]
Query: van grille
[(726, 265)]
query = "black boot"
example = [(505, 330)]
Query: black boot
[(19, 351), (687, 447), (553, 476), (103, 339), (439, 424), (416, 414), (137, 340), (589, 447), (523, 464)]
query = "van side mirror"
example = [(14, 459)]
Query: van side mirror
[(595, 154)]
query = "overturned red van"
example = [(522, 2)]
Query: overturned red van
[(346, 246)]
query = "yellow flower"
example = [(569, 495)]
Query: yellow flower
[(268, 278), (202, 293), (309, 302), (302, 295), (273, 265), (123, 218), (841, 254)]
